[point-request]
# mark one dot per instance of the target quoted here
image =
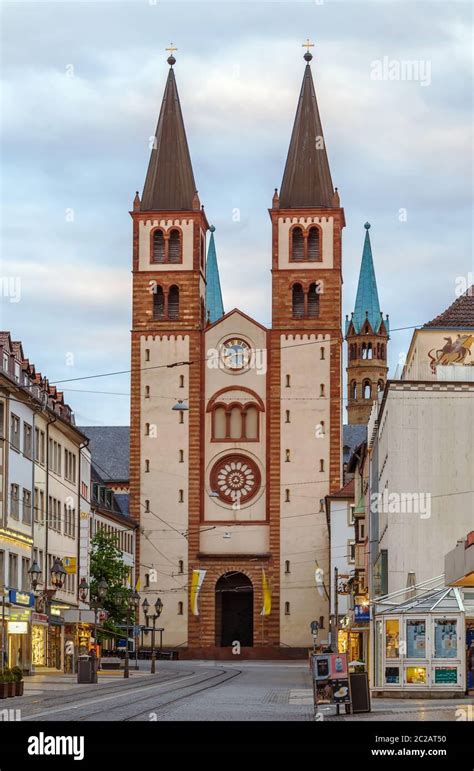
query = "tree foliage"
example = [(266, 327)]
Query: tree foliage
[(107, 563)]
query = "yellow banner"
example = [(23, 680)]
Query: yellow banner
[(267, 596), (196, 583), (70, 564)]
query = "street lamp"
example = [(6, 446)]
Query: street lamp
[(132, 604), (180, 406), (102, 588), (58, 574), (158, 610), (83, 589), (35, 574)]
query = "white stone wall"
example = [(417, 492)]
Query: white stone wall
[(284, 226)]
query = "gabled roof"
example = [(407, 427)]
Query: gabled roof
[(459, 315), (346, 491), (307, 178), (110, 450), (169, 183), (214, 304), (240, 313)]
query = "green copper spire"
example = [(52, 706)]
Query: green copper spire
[(367, 300), (214, 304)]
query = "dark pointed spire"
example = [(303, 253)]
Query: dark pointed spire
[(307, 178), (169, 182)]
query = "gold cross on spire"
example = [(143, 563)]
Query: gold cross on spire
[(171, 49), (307, 45)]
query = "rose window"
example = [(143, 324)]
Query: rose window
[(235, 479)]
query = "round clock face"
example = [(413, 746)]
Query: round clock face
[(235, 478), (236, 354)]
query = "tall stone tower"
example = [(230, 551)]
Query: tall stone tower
[(306, 369), (367, 335)]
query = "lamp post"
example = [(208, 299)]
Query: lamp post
[(132, 604), (158, 610)]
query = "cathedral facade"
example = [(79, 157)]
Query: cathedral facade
[(235, 427)]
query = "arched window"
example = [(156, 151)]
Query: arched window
[(236, 422), (314, 245), (173, 303), (158, 303), (174, 246), (367, 389), (364, 351), (369, 350), (298, 301), (382, 351), (297, 244), (380, 386), (313, 302), (219, 423), (251, 423), (353, 394), (158, 254)]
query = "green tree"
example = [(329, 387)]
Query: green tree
[(107, 562)]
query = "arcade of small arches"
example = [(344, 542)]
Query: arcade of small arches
[(236, 421), (305, 244), (366, 351), (367, 391), (166, 246)]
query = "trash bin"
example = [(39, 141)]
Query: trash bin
[(85, 669)]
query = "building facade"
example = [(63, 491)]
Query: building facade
[(235, 427), (40, 463)]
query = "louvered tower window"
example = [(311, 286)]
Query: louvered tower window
[(158, 246), (297, 244), (173, 303), (158, 303), (313, 301), (313, 245), (298, 301), (174, 246)]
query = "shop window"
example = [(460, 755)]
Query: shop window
[(415, 675), (445, 635), (392, 675), (416, 639), (392, 638)]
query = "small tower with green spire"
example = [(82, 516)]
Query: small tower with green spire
[(214, 304), (367, 335)]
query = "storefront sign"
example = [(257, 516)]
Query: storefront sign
[(17, 627), (362, 612), (20, 615), (338, 666), (22, 598), (39, 618)]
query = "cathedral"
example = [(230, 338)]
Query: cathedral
[(236, 428)]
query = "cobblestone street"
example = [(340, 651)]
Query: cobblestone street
[(208, 691)]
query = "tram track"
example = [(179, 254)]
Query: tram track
[(155, 694)]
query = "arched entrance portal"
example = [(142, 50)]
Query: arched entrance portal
[(234, 610)]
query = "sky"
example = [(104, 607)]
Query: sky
[(81, 88)]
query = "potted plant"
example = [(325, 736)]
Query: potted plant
[(3, 685), (7, 684), (18, 680)]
